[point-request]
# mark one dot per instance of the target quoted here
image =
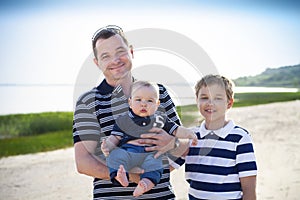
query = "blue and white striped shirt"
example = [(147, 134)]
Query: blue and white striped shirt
[(214, 167)]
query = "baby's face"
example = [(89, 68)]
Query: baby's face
[(144, 101)]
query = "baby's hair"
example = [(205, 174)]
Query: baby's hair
[(222, 81), (138, 84)]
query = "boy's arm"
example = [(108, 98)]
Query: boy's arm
[(249, 187)]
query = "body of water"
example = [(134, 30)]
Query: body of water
[(50, 98)]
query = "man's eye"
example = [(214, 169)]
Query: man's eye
[(104, 57), (121, 51)]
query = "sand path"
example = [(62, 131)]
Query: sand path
[(274, 128)]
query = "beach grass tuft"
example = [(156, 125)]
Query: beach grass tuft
[(31, 133)]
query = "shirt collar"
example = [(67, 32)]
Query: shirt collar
[(222, 132), (104, 88)]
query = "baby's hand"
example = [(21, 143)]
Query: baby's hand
[(104, 148)]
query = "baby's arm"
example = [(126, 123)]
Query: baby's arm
[(185, 133), (109, 144)]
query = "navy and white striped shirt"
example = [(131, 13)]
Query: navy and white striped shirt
[(94, 118), (214, 167)]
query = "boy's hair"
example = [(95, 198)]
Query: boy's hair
[(138, 84), (222, 81)]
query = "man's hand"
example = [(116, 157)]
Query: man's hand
[(161, 140)]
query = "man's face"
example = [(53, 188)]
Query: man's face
[(113, 58)]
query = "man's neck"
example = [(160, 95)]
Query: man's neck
[(125, 83)]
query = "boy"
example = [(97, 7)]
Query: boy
[(222, 165), (143, 102)]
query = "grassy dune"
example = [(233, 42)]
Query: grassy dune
[(30, 133)]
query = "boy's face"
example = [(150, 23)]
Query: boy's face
[(144, 101), (212, 103)]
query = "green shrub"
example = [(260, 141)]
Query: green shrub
[(33, 124)]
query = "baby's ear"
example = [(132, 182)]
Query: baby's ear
[(158, 103), (129, 101)]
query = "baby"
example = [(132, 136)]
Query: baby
[(142, 116)]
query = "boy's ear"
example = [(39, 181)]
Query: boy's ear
[(230, 103)]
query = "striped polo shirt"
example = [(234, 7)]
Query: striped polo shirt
[(214, 167), (94, 118)]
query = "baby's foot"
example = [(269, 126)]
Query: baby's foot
[(144, 186), (121, 176)]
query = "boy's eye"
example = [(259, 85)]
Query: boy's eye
[(219, 98), (203, 98)]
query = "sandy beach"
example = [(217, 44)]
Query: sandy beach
[(274, 129)]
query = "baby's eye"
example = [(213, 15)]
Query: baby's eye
[(150, 101), (138, 100)]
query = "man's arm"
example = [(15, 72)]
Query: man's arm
[(87, 163)]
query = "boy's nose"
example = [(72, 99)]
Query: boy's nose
[(210, 102)]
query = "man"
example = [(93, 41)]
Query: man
[(95, 115)]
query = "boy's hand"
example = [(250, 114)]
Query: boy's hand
[(194, 139)]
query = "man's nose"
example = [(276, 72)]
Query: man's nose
[(116, 59)]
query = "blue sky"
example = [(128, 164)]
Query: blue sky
[(48, 41)]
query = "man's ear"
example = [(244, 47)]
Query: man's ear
[(96, 61), (131, 50)]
